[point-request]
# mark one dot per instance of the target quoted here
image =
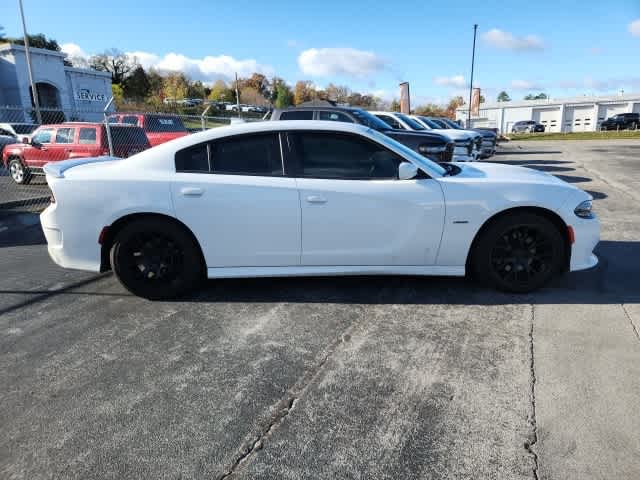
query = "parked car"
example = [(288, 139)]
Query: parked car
[(465, 146), (159, 127), (55, 143), (7, 138), (434, 146), (311, 198), (622, 121), (527, 126), (489, 136)]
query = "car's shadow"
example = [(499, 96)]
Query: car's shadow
[(604, 284)]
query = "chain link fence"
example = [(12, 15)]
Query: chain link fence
[(26, 146)]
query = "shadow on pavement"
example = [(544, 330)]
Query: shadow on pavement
[(19, 229), (518, 151)]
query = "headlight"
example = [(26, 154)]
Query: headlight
[(431, 148), (584, 210)]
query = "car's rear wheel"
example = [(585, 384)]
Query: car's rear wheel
[(19, 173), (156, 259), (519, 253)]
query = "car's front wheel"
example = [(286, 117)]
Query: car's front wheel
[(19, 173), (519, 253), (156, 259)]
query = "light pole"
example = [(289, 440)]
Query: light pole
[(473, 60), (34, 91)]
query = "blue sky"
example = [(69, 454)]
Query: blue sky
[(560, 47)]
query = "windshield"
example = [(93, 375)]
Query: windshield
[(423, 162), (371, 121), (410, 121), (451, 123), (430, 122)]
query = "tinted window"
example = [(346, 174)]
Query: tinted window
[(130, 119), (113, 119), (164, 123), (247, 155), (430, 122), (128, 135), (334, 116), (87, 136), (411, 122), (392, 122), (43, 136), (342, 156), (193, 159), (299, 115), (65, 135)]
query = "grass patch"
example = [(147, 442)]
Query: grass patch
[(193, 123), (607, 135)]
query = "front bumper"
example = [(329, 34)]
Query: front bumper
[(587, 236)]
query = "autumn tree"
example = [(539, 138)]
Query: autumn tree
[(284, 95), (454, 104), (175, 85), (252, 96), (220, 92), (337, 93), (431, 110), (119, 64), (195, 89), (304, 91)]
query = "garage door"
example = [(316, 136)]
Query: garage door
[(578, 119), (549, 117), (606, 111), (636, 108)]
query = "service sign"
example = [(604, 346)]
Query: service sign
[(90, 96)]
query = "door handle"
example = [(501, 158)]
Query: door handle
[(191, 191), (316, 199)]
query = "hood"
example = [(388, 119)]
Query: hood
[(458, 134), (482, 172), (429, 137)]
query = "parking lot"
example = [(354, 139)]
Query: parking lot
[(362, 377)]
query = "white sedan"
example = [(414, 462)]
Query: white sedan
[(310, 198)]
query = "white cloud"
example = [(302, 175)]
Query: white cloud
[(634, 28), (454, 81), (72, 50), (508, 41), (323, 62), (525, 85)]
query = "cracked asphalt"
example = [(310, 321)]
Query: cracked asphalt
[(354, 378)]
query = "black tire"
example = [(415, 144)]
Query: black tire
[(156, 259), (518, 253), (19, 173)]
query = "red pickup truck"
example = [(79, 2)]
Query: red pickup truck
[(51, 143), (159, 127)]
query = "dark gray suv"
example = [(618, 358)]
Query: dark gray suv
[(527, 126), (434, 146)]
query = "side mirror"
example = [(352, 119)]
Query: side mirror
[(407, 171)]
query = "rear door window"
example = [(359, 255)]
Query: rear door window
[(65, 135), (334, 117), (130, 119), (297, 115), (257, 154), (87, 136), (193, 159)]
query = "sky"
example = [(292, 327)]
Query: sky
[(563, 48)]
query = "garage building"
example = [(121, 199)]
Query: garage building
[(80, 94), (578, 114)]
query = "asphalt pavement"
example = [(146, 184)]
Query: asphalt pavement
[(363, 377)]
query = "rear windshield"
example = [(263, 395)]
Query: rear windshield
[(164, 123), (126, 136)]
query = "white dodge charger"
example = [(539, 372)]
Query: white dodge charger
[(310, 198)]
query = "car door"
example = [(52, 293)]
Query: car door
[(355, 211), (37, 154), (87, 144), (233, 195), (62, 146)]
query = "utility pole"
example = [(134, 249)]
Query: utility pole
[(473, 61), (34, 91), (237, 97)]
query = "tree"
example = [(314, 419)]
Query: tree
[(38, 40), (337, 93), (117, 93), (196, 90), (431, 110), (284, 95), (258, 82), (175, 85), (220, 92), (482, 99), (454, 104), (115, 62), (137, 86), (304, 91), (2, 37), (394, 106), (252, 96), (540, 96), (503, 97), (155, 83)]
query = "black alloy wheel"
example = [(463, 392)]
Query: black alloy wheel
[(156, 259), (519, 253)]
